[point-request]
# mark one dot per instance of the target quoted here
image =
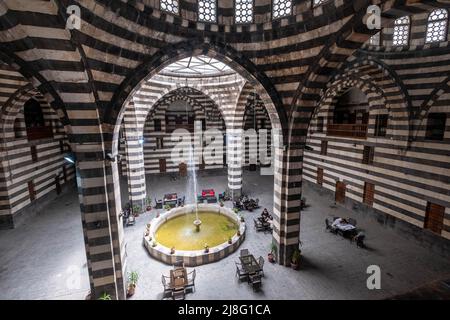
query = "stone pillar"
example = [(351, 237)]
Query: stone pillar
[(99, 196), (134, 149), (287, 197), (234, 161)]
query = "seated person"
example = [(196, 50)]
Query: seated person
[(265, 212)]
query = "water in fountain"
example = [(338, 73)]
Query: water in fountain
[(192, 182)]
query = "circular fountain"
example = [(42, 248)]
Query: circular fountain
[(176, 234)]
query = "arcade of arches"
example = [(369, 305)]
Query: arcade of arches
[(309, 111)]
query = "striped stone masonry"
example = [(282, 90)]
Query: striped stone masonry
[(135, 169)]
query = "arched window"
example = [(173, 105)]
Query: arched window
[(401, 31), (34, 121), (33, 114), (171, 6), (350, 115), (437, 26), (243, 11), (207, 10), (281, 8)]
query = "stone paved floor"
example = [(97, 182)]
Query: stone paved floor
[(35, 257)]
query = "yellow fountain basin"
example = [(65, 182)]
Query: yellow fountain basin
[(175, 229), (181, 233)]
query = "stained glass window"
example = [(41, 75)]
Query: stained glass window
[(170, 6), (437, 26), (207, 10), (281, 8), (244, 11), (401, 31)]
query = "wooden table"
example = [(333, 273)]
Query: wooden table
[(178, 278), (249, 264)]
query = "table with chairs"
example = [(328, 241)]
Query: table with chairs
[(346, 227), (251, 269), (178, 283), (264, 222)]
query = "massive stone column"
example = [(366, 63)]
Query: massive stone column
[(234, 161), (134, 144), (287, 197), (99, 196)]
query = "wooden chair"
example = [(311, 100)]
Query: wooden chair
[(255, 281), (244, 252), (178, 294), (131, 220), (167, 288), (240, 272), (329, 227), (261, 265), (258, 225), (191, 280), (178, 263)]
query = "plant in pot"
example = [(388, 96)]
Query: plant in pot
[(167, 207), (157, 214), (154, 244), (271, 254), (148, 203), (221, 203), (206, 248), (105, 296), (230, 241), (295, 259), (137, 210), (132, 282)]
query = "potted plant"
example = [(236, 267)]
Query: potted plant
[(230, 241), (105, 296), (236, 210), (271, 254), (221, 203), (154, 244), (242, 218), (137, 210), (206, 248), (148, 203), (172, 250), (295, 260), (148, 225), (132, 282), (157, 214), (167, 207)]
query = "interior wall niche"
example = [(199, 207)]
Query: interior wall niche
[(36, 125)]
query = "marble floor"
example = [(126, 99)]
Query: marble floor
[(44, 258)]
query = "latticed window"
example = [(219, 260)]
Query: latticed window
[(318, 2), (401, 31), (437, 26), (281, 8), (244, 11), (207, 10), (375, 39), (171, 6)]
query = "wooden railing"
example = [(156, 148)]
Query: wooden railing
[(37, 133), (358, 131)]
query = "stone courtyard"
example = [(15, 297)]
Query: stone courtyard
[(46, 255)]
